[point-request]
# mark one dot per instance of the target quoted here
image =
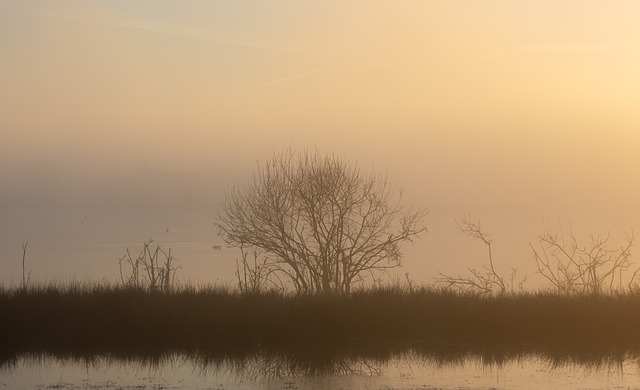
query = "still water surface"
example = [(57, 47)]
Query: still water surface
[(78, 247), (403, 371)]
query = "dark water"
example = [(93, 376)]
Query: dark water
[(457, 368)]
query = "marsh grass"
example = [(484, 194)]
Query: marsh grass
[(85, 319)]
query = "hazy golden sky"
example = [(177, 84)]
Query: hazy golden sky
[(519, 110)]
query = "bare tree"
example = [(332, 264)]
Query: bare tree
[(593, 268), (321, 224), (486, 280), (152, 268)]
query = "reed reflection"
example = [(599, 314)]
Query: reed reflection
[(272, 334), (355, 360)]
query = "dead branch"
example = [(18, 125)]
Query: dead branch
[(590, 268), (486, 280)]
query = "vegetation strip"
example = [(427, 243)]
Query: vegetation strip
[(98, 317)]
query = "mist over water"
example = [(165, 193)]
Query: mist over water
[(80, 223), (80, 215)]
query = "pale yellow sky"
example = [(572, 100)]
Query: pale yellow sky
[(520, 110)]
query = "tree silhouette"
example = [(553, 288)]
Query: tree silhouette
[(321, 224), (574, 268)]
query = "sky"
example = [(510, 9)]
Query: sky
[(127, 120)]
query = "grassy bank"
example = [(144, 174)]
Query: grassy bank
[(86, 318)]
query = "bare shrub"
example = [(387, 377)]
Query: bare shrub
[(485, 280), (152, 268), (593, 268), (254, 273)]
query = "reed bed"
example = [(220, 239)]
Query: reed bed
[(91, 317)]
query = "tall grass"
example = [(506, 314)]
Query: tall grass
[(101, 318)]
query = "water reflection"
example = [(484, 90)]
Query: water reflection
[(352, 360), (445, 366)]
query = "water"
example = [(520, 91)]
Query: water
[(403, 371), (68, 246)]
